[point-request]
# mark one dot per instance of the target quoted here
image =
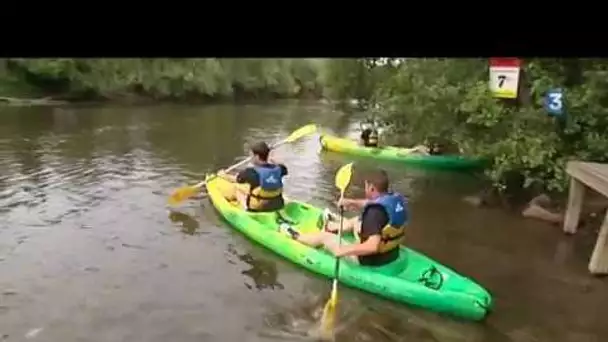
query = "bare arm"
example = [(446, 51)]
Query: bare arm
[(353, 203), (371, 226), (370, 246), (226, 176), (418, 149)]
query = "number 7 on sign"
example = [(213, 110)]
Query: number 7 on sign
[(504, 77), (554, 103), (501, 80)]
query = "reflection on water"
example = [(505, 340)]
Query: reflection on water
[(263, 272), (188, 223), (88, 251)]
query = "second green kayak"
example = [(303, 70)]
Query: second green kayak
[(397, 154), (413, 278)]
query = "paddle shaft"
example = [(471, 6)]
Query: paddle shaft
[(342, 180), (337, 267)]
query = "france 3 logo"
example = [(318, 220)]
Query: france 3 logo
[(554, 102)]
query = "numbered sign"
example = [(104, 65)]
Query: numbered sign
[(554, 102), (504, 77)]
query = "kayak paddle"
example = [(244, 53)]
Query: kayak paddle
[(342, 180), (186, 192)]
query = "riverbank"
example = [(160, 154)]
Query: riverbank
[(160, 80), (133, 99), (528, 148), (449, 100)]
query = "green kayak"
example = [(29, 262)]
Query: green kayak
[(412, 279), (397, 154)]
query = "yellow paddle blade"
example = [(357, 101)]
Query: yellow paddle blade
[(343, 176), (182, 194), (300, 132), (328, 321), (329, 313)]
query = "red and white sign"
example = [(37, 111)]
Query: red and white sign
[(504, 77)]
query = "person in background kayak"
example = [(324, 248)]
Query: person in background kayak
[(265, 180), (369, 133), (427, 150), (432, 147), (379, 229), (369, 137)]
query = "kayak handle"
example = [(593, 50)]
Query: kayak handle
[(484, 305), (429, 279), (282, 219)]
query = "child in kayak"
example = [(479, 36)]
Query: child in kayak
[(265, 180), (379, 229)]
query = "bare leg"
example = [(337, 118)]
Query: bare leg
[(229, 192), (314, 239), (241, 196), (236, 192), (420, 149), (350, 224), (328, 240)]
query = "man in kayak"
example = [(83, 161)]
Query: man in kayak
[(427, 150), (369, 137), (379, 229), (432, 147), (369, 134), (265, 180)]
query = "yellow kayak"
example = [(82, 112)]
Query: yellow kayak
[(399, 154)]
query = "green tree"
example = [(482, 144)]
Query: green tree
[(451, 98), (163, 78), (424, 98), (356, 79)]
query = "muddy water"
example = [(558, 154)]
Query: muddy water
[(90, 252)]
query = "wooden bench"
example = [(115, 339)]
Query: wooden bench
[(595, 176)]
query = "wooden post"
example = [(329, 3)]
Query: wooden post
[(575, 201), (599, 258), (595, 176)]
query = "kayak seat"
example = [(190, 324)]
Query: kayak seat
[(282, 218), (291, 213)]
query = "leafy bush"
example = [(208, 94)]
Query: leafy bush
[(424, 98), (419, 98), (171, 78)]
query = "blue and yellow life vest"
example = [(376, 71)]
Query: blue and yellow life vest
[(271, 186), (396, 207)]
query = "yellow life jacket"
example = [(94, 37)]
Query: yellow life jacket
[(396, 208), (270, 186)]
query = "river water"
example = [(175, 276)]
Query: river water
[(89, 250)]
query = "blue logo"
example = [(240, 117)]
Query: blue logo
[(554, 102)]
